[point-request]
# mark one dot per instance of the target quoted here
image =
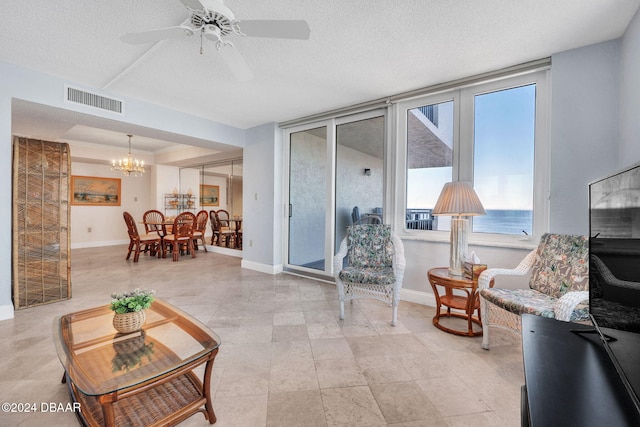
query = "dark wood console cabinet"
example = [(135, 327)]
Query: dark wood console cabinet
[(570, 380)]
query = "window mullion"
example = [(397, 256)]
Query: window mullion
[(465, 144)]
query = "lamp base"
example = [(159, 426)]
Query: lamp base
[(459, 245)]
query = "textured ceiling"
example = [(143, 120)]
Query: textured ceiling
[(358, 50)]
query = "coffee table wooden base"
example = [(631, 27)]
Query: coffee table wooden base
[(180, 399), (165, 403)]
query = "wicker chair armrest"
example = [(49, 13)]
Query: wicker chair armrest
[(565, 305), (523, 268), (609, 278), (338, 258)]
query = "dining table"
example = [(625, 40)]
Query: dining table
[(161, 227), (237, 228), (237, 222)]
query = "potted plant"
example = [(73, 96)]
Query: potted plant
[(129, 308)]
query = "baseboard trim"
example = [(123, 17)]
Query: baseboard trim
[(418, 297), (6, 312), (224, 251), (99, 244), (262, 268)]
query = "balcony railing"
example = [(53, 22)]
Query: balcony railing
[(420, 219)]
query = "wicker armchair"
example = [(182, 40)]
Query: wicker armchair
[(375, 266), (558, 287)]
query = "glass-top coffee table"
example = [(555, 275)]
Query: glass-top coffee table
[(142, 378)]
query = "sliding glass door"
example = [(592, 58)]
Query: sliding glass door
[(336, 168), (308, 198), (359, 174)]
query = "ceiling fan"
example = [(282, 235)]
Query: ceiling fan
[(212, 20)]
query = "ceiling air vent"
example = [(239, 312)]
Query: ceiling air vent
[(93, 100)]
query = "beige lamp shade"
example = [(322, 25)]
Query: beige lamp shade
[(458, 199)]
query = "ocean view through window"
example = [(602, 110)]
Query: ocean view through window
[(504, 129), (485, 135)]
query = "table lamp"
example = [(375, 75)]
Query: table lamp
[(459, 200)]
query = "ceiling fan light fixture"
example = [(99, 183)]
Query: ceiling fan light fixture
[(213, 13), (211, 32)]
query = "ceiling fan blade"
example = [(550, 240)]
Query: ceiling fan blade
[(279, 29), (210, 5), (157, 35), (236, 63), (192, 4)]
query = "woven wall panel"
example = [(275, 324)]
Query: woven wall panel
[(41, 222)]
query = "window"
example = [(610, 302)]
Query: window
[(493, 135), (504, 125), (429, 161)]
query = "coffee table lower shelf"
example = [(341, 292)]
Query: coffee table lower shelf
[(168, 403)]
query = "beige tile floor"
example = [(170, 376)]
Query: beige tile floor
[(285, 359)]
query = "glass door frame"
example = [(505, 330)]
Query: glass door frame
[(330, 187)]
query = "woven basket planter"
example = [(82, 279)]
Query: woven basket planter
[(126, 323)]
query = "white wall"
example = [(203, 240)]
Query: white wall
[(6, 205), (584, 130), (263, 206), (167, 178), (630, 95), (106, 222)]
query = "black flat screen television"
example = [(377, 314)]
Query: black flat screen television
[(614, 271)]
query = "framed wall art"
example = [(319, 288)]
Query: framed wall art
[(209, 195), (95, 191)]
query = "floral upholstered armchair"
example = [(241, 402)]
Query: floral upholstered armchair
[(375, 266), (558, 288)]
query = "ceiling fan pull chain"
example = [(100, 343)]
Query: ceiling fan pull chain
[(201, 50)]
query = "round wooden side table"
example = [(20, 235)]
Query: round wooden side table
[(468, 303)]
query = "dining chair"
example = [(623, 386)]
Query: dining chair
[(154, 222), (200, 229), (138, 243), (223, 215), (215, 234), (182, 236), (224, 230), (238, 236)]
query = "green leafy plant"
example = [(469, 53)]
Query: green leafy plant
[(131, 301)]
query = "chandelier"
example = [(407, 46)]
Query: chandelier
[(128, 165)]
